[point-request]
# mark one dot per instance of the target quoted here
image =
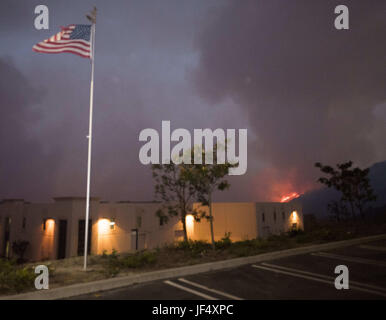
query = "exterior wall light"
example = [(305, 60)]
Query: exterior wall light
[(48, 225), (294, 217), (189, 220), (105, 225), (112, 224)]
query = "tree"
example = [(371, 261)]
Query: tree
[(338, 210), (352, 183), (210, 177), (176, 185)]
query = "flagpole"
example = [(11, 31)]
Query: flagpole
[(89, 146)]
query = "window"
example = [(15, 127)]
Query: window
[(274, 216), (24, 222), (263, 217), (283, 215)]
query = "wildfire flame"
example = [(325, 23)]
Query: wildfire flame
[(289, 197)]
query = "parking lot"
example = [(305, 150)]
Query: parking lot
[(306, 276)]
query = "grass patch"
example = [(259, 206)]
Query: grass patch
[(114, 263)]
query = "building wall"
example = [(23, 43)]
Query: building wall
[(246, 220), (115, 225), (274, 218), (237, 218), (127, 217)]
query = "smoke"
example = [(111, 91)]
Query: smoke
[(22, 170), (310, 91)]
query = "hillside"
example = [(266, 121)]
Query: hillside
[(315, 202)]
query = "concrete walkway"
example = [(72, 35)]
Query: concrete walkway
[(119, 282)]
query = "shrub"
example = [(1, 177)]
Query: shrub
[(139, 259), (14, 278), (112, 263), (193, 247), (225, 242)]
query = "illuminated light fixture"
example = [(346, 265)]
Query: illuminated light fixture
[(105, 224), (112, 224), (48, 226), (294, 217), (189, 220), (48, 223)]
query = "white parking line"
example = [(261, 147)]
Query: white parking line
[(221, 293), (377, 248), (360, 284), (197, 293), (329, 282), (350, 259)]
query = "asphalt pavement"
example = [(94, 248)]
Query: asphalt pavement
[(305, 276)]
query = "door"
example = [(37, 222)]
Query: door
[(62, 236), (141, 241), (81, 230), (134, 239)]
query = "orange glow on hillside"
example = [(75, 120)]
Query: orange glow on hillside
[(278, 185), (289, 197)]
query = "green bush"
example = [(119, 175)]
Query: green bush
[(193, 247), (111, 263), (139, 259), (225, 242), (14, 278), (114, 263)]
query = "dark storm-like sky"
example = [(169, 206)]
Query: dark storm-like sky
[(305, 91)]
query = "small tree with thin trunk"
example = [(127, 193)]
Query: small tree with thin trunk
[(352, 183), (209, 178), (176, 185)]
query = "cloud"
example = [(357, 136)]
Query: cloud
[(24, 167)]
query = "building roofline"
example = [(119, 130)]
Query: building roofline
[(75, 198), (12, 200)]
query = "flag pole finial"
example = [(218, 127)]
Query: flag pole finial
[(92, 15)]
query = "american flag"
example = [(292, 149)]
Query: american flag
[(74, 38)]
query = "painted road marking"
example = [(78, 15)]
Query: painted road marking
[(221, 293), (197, 293), (298, 275), (360, 284), (377, 248), (350, 259)]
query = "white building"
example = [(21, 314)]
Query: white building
[(56, 230)]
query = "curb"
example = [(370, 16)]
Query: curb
[(119, 282)]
